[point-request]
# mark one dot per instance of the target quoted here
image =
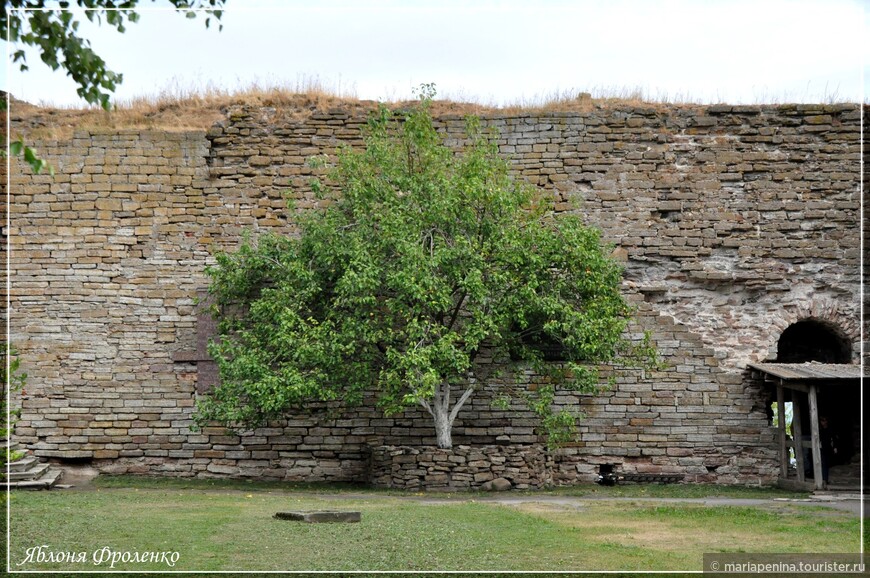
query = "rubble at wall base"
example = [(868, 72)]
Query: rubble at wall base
[(461, 467)]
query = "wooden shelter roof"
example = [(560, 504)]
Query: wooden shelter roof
[(811, 371)]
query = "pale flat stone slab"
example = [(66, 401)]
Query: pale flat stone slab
[(315, 517)]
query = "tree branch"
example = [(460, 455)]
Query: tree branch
[(457, 309), (426, 406), (459, 403)]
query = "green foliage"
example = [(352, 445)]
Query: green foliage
[(54, 31), (37, 164), (428, 264), (13, 379), (788, 411), (17, 147)]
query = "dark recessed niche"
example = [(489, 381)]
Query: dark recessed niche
[(667, 215), (813, 340)]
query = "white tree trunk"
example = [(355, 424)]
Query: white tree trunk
[(443, 427), (444, 415)]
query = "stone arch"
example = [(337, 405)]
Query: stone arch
[(813, 340), (824, 316)]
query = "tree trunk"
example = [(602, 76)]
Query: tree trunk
[(443, 414), (443, 427)]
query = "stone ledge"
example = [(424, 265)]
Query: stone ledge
[(460, 468)]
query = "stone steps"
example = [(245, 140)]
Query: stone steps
[(11, 448), (28, 473), (44, 482), (23, 464), (32, 473)]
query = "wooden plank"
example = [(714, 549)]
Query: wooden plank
[(810, 370), (780, 418), (796, 433), (817, 446), (795, 386)]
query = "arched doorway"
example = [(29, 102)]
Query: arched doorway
[(820, 403), (813, 340)]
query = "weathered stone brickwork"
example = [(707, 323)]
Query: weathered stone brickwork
[(3, 229), (866, 247), (733, 222), (460, 468)]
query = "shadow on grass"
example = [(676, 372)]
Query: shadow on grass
[(581, 490)]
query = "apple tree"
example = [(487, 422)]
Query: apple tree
[(427, 264)]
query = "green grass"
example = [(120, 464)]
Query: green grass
[(584, 490), (154, 482), (676, 491), (224, 525)]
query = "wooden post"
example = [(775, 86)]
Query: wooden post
[(780, 419), (817, 446), (796, 433)]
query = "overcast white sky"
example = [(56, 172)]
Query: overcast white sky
[(740, 51)]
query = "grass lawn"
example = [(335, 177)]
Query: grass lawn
[(583, 490), (229, 526)]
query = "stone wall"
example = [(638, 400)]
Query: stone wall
[(866, 247), (460, 468), (3, 228), (732, 222), (865, 311)]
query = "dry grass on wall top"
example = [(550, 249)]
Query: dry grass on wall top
[(180, 110), (180, 107)]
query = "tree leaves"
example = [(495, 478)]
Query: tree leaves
[(428, 264), (37, 164), (54, 32)]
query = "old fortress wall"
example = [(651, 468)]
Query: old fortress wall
[(733, 222)]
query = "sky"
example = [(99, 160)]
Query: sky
[(495, 52)]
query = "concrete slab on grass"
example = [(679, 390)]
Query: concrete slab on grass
[(315, 517)]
